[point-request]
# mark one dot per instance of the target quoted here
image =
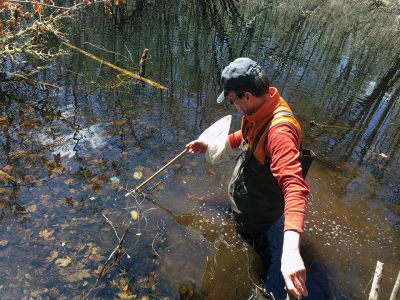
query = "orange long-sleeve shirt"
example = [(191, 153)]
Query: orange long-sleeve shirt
[(282, 147)]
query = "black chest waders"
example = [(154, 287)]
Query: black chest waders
[(256, 199)]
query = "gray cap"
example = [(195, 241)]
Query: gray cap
[(238, 73)]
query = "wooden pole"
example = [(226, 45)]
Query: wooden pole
[(396, 288), (376, 282), (136, 189)]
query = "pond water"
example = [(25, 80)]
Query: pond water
[(73, 152)]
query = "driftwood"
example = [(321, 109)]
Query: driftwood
[(123, 71), (396, 288), (376, 282), (142, 63)]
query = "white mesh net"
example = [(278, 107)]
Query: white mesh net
[(216, 136)]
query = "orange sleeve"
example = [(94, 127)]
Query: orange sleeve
[(282, 146), (235, 139)]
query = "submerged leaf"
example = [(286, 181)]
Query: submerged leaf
[(63, 262), (78, 276), (119, 122), (137, 175), (31, 208), (7, 177), (69, 181), (36, 7), (134, 214), (46, 234), (124, 284), (125, 296), (53, 255)]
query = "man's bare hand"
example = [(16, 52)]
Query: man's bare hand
[(197, 146), (292, 265)]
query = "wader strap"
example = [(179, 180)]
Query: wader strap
[(258, 137), (278, 114)]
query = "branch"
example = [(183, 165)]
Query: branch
[(42, 4)]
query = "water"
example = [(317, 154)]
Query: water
[(73, 152)]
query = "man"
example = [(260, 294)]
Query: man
[(267, 182)]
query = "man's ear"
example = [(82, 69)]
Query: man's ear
[(247, 95)]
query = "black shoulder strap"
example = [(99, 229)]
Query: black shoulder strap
[(260, 133), (278, 114)]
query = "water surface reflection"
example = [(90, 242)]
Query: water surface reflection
[(62, 148)]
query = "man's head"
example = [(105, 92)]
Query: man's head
[(241, 76)]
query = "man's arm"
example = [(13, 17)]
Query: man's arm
[(283, 148)]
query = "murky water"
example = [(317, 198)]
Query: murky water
[(72, 153)]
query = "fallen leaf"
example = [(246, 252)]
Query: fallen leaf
[(53, 255), (3, 243), (137, 175), (46, 234), (96, 188), (7, 168), (125, 296), (3, 191), (3, 120), (145, 298), (78, 276), (36, 294), (212, 172), (134, 214), (120, 122), (44, 197), (31, 208), (69, 181), (36, 7), (124, 284), (7, 177), (63, 262)]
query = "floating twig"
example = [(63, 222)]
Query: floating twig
[(315, 124)]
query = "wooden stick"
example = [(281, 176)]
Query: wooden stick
[(136, 189), (123, 71), (376, 282), (396, 288)]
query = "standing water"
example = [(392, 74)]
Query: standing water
[(73, 152)]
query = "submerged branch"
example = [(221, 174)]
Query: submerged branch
[(114, 253)]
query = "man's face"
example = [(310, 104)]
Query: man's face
[(243, 103)]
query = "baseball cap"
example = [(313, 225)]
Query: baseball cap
[(237, 74)]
